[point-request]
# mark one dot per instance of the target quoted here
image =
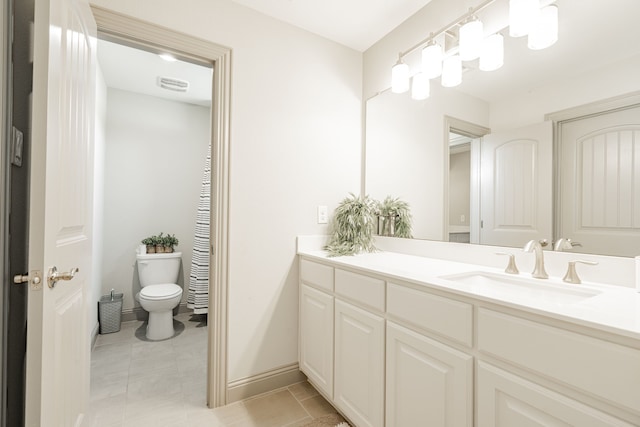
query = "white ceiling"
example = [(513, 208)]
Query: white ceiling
[(137, 71), (357, 24)]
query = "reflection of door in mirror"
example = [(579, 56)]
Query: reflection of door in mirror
[(599, 182), (516, 192), (462, 180)]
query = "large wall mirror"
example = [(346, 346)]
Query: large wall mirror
[(546, 147)]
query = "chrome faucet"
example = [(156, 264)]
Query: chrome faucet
[(536, 247)]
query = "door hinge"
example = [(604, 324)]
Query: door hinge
[(17, 142)]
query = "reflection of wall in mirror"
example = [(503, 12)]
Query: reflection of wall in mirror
[(560, 94), (405, 151)]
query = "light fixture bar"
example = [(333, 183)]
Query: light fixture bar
[(453, 24)]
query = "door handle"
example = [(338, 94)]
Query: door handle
[(54, 275)]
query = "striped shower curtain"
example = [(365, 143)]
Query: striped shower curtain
[(198, 298)]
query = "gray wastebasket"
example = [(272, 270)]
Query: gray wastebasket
[(110, 312)]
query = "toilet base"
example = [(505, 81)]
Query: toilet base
[(160, 325)]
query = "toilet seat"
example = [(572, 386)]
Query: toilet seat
[(160, 292)]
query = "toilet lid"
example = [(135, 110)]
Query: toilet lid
[(163, 291)]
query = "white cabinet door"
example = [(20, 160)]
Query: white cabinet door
[(505, 399), (359, 365), (428, 383), (316, 338)]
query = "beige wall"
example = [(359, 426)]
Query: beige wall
[(295, 144)]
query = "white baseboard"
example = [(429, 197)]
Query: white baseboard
[(264, 382)]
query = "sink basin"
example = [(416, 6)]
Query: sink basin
[(506, 286)]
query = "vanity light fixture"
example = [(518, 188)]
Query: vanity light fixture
[(471, 36), (451, 71), (432, 60), (521, 15), (526, 17), (400, 77), (544, 31), (492, 53), (420, 86)]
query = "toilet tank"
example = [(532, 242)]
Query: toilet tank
[(154, 269)]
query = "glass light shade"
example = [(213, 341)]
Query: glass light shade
[(492, 53), (451, 71), (400, 77), (432, 60), (544, 31), (471, 35), (521, 15), (420, 87), (168, 57)]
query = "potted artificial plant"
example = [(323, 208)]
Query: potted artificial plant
[(159, 242), (168, 242), (394, 218), (150, 243), (353, 225)]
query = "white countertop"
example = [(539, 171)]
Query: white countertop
[(614, 309)]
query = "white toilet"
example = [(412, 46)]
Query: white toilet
[(160, 294)]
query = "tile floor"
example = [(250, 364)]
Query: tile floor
[(140, 383)]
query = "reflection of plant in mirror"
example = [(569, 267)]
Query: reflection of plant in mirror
[(353, 224), (397, 211)]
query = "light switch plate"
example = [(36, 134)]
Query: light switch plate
[(323, 216)]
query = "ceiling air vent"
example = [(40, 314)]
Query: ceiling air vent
[(173, 84)]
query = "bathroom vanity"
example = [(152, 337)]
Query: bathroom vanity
[(399, 340)]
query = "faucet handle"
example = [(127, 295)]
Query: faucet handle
[(563, 244), (511, 267), (572, 275)]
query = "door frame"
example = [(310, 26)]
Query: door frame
[(123, 29), (5, 125)]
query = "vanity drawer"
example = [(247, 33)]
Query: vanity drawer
[(443, 316), (601, 368), (361, 289), (316, 274)]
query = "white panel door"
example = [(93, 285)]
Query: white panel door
[(600, 182), (359, 365), (428, 383), (316, 338), (60, 212), (516, 186), (508, 400)]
